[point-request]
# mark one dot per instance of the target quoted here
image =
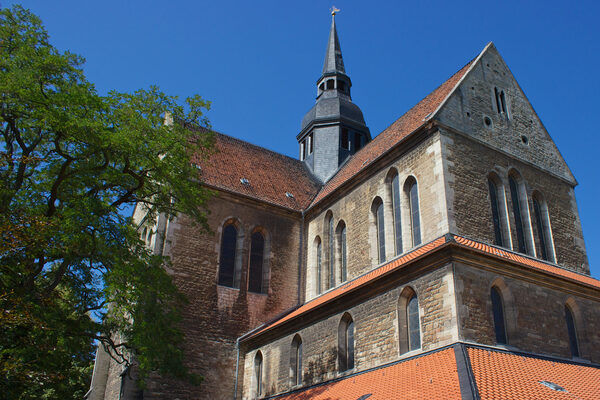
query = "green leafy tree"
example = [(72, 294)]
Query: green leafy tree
[(72, 164)]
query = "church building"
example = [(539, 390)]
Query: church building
[(442, 258)]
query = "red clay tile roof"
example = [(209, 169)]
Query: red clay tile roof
[(356, 283), (412, 120), (529, 262), (421, 251), (270, 174), (501, 375), (432, 376)]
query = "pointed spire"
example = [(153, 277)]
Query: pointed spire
[(333, 56)]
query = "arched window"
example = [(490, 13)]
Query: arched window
[(409, 321), (346, 343), (543, 231), (498, 314), (228, 256), (379, 220), (330, 251), (318, 263), (517, 205), (412, 194), (256, 274), (343, 258), (258, 372), (397, 213), (498, 239), (296, 361), (570, 320)]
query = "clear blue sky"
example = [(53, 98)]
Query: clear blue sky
[(258, 62)]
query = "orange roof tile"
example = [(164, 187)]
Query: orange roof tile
[(270, 175), (356, 283), (529, 262), (501, 375), (432, 376), (403, 127)]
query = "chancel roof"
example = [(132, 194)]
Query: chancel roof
[(464, 371)]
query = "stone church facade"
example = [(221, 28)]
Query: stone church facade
[(443, 258)]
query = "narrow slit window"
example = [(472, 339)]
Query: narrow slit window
[(498, 314), (516, 204), (310, 143), (346, 343), (357, 141), (541, 236), (344, 139)]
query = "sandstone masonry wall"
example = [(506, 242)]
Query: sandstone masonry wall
[(534, 314), (376, 335)]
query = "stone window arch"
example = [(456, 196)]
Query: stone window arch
[(409, 321), (346, 343), (411, 198), (296, 361), (377, 231), (543, 230), (394, 193), (258, 261), (503, 315), (499, 211), (230, 255), (257, 376), (342, 250), (520, 211), (329, 235), (575, 328)]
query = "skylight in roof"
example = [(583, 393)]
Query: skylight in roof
[(245, 181), (365, 396), (290, 195), (553, 386)]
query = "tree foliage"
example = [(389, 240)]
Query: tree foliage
[(72, 163)]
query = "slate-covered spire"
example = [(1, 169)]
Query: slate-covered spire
[(334, 128), (333, 57)]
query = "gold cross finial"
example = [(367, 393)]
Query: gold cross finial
[(334, 10)]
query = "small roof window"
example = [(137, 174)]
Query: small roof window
[(553, 386), (290, 195), (245, 181)]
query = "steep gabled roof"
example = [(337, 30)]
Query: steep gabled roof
[(269, 174), (408, 123)]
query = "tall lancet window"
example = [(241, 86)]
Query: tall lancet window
[(256, 281), (379, 220), (498, 314), (397, 213), (318, 264), (228, 256), (330, 252), (573, 345), (515, 196), (343, 251), (495, 212), (258, 374), (296, 361), (412, 193)]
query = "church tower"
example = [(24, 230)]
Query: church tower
[(334, 128)]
